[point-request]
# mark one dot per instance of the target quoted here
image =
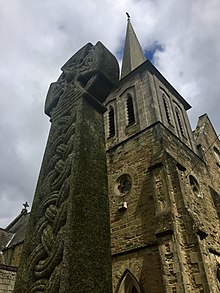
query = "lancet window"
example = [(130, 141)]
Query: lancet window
[(217, 155), (179, 121), (111, 119), (166, 108), (194, 185), (130, 110)]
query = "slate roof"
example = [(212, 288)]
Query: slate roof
[(5, 237), (15, 231), (133, 53)]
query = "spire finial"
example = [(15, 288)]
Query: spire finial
[(24, 210), (26, 205), (128, 15)]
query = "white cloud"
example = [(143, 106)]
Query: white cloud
[(38, 37)]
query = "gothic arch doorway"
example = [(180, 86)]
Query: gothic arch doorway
[(129, 284)]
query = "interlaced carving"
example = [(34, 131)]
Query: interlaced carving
[(90, 74), (46, 259)]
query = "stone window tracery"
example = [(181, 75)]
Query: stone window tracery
[(124, 184)]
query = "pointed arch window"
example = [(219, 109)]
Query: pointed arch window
[(130, 110), (218, 273), (194, 186), (217, 155), (179, 121), (111, 120), (166, 108), (129, 284)]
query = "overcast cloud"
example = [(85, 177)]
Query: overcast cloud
[(38, 37)]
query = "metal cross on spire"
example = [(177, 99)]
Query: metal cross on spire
[(26, 205)]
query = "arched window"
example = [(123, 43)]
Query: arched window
[(129, 284), (165, 103), (218, 273), (179, 120), (130, 110), (111, 120), (217, 155), (200, 150), (124, 184), (194, 185)]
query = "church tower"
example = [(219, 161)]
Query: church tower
[(163, 186), (162, 238)]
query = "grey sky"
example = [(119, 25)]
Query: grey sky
[(38, 37)]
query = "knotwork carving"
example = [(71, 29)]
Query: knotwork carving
[(46, 259), (90, 69), (87, 74), (90, 74)]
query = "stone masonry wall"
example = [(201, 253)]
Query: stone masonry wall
[(12, 255), (144, 264), (133, 227), (208, 142), (134, 243), (7, 278), (196, 219), (164, 212)]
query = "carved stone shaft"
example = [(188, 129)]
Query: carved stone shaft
[(67, 245)]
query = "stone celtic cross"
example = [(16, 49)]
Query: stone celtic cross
[(67, 245)]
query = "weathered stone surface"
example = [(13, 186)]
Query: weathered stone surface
[(171, 218), (92, 68), (7, 278), (164, 188), (67, 245)]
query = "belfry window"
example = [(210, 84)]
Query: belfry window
[(179, 120), (194, 186), (166, 108), (130, 110), (217, 155), (111, 119), (218, 273)]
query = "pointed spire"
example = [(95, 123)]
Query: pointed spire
[(133, 53)]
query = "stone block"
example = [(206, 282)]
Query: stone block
[(194, 257), (198, 278)]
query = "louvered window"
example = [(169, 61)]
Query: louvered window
[(130, 110), (165, 103), (111, 117), (179, 120)]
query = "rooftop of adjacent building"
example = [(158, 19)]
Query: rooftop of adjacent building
[(14, 233)]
